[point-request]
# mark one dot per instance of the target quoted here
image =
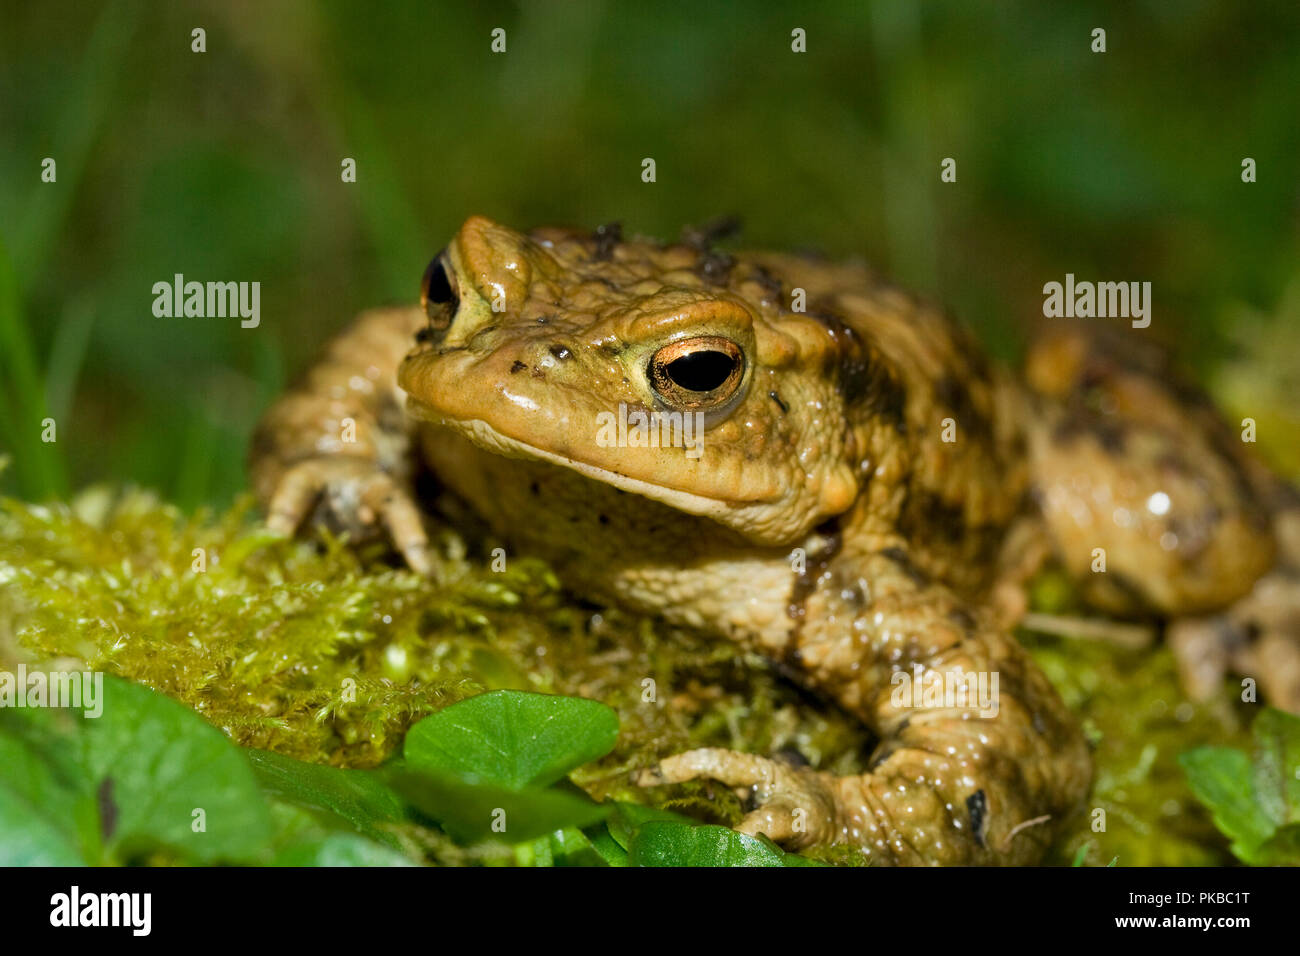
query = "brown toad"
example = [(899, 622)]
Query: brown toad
[(792, 455)]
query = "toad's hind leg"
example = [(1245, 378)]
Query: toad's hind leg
[(1157, 507)]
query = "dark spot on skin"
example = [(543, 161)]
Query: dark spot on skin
[(791, 757), (863, 377), (1111, 435), (607, 237), (517, 367), (1069, 428), (701, 237), (603, 519), (539, 373), (777, 398), (881, 754), (853, 597), (962, 618), (904, 562), (977, 805), (108, 811), (926, 516), (770, 283), (391, 416), (534, 489), (953, 393), (805, 582), (560, 352), (426, 334), (887, 748), (948, 519), (266, 444), (714, 267), (1080, 421), (1283, 497)]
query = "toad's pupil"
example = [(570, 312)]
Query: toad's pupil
[(701, 371), (437, 287)]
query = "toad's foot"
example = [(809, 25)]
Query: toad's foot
[(1258, 637), (796, 806), (351, 496)]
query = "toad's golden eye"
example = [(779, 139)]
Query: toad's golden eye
[(697, 374)]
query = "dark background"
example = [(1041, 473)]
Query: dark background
[(225, 166)]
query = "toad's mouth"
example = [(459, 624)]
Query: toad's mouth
[(489, 438)]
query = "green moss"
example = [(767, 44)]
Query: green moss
[(328, 654), (273, 638), (1138, 721)]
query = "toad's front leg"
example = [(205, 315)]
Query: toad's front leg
[(984, 778), (336, 450)]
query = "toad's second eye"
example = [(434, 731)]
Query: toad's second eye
[(437, 294), (697, 374)]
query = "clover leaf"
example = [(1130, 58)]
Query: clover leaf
[(513, 739)]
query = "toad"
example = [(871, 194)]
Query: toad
[(819, 466)]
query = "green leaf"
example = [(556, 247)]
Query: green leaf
[(30, 835), (127, 783), (603, 842), (1282, 848), (470, 810), (660, 843), (572, 847), (628, 816), (361, 798), (152, 763), (1277, 765), (339, 849), (513, 739), (1221, 779), (1256, 805), (536, 852), (36, 774)]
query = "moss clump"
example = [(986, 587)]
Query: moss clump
[(1139, 721), (329, 654)]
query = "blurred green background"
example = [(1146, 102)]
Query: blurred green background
[(225, 165)]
